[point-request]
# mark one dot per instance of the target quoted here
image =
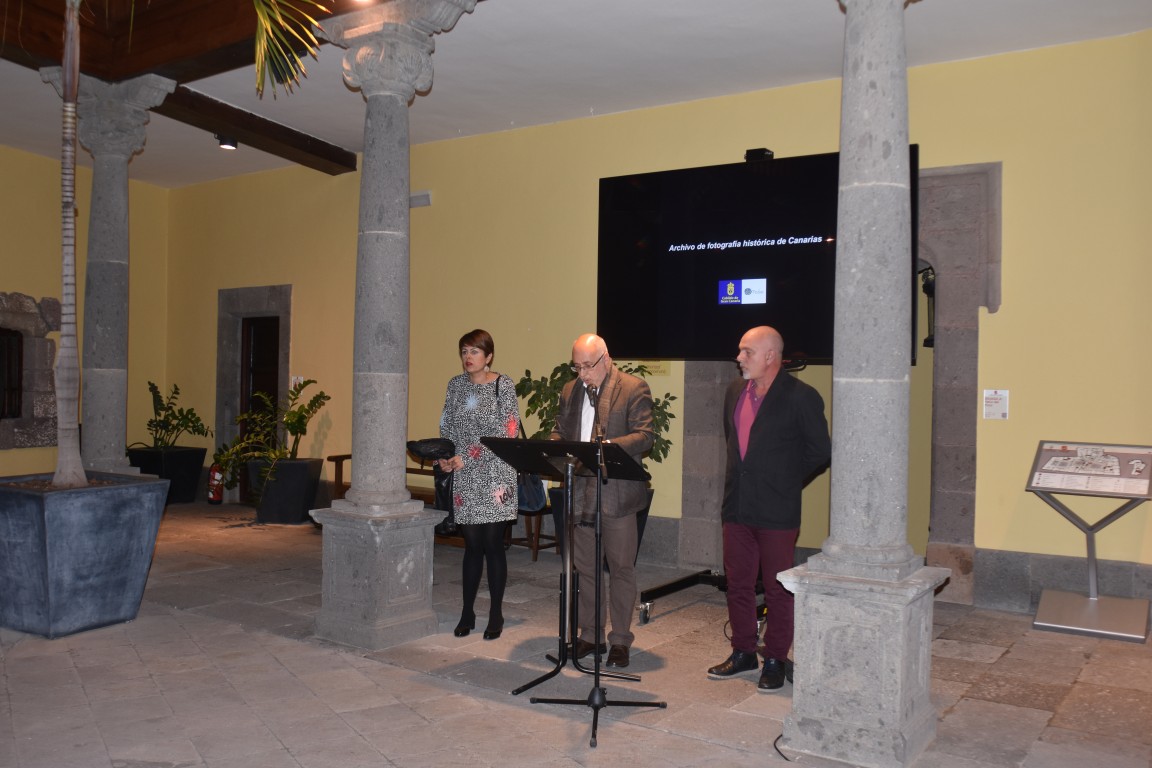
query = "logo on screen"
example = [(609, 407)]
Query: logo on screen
[(748, 291)]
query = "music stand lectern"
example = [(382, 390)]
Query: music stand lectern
[(546, 457)]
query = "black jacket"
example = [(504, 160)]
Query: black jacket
[(787, 445)]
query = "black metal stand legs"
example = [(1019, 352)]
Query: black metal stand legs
[(598, 697), (544, 457)]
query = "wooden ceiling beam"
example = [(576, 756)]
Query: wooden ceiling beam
[(183, 40), (32, 34), (217, 117)]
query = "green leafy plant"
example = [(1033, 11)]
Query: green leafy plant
[(283, 29), (542, 399), (270, 432), (169, 422)]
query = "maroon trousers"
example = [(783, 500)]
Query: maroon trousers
[(748, 551)]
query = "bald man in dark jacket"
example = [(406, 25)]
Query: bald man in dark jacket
[(777, 439)]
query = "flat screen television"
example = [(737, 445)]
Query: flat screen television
[(690, 259)]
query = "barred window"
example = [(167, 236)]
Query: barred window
[(11, 373)]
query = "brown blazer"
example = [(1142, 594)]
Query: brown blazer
[(625, 412)]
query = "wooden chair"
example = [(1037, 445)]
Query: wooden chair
[(340, 486), (419, 492), (532, 534)]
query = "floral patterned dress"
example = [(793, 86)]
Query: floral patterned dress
[(484, 490)]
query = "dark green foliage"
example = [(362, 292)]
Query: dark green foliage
[(269, 431), (168, 421), (542, 398)]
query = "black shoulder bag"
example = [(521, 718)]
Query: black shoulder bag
[(530, 493), (433, 449)]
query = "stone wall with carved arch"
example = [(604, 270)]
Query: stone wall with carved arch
[(960, 238), (34, 320)]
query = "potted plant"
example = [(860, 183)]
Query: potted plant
[(181, 464), (267, 448), (75, 546)]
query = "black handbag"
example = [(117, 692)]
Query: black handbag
[(530, 493), (432, 448), (442, 482)]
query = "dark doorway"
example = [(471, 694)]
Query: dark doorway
[(11, 373), (259, 370), (252, 345), (260, 359)]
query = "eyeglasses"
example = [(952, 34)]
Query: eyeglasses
[(576, 367)]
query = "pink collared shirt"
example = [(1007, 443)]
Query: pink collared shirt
[(747, 406)]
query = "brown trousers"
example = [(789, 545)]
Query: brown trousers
[(618, 543)]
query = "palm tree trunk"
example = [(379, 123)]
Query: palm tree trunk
[(69, 467)]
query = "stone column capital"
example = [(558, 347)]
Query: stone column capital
[(113, 115), (390, 45)]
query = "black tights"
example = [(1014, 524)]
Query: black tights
[(484, 543)]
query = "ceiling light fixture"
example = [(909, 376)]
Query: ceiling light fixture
[(227, 142)]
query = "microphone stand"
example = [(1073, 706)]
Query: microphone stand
[(598, 696), (567, 632)]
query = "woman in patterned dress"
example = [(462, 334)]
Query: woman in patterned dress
[(481, 403)]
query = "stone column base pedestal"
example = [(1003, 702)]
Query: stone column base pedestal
[(863, 656), (377, 584)]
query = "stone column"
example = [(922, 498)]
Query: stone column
[(864, 605), (377, 585), (112, 119)]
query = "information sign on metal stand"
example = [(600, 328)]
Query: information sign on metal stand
[(1092, 469)]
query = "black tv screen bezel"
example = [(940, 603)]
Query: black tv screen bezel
[(635, 315)]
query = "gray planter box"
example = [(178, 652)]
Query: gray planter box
[(77, 559), (291, 492), (182, 465)]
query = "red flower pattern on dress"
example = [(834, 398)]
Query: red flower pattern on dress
[(474, 451), (511, 427)]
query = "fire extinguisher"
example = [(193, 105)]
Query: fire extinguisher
[(215, 484)]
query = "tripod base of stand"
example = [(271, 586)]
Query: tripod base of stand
[(597, 700), (581, 668)]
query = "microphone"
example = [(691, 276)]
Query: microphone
[(594, 399), (597, 430)]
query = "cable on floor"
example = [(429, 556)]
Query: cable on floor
[(777, 748)]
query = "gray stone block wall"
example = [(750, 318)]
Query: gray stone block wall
[(661, 543), (1014, 581), (34, 320), (702, 484)]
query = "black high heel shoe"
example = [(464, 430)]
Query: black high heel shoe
[(492, 631), (464, 627)]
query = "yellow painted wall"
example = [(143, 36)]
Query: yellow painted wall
[(1070, 342), (509, 245), (292, 226), (30, 254)]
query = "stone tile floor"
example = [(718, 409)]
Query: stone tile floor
[(221, 670)]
